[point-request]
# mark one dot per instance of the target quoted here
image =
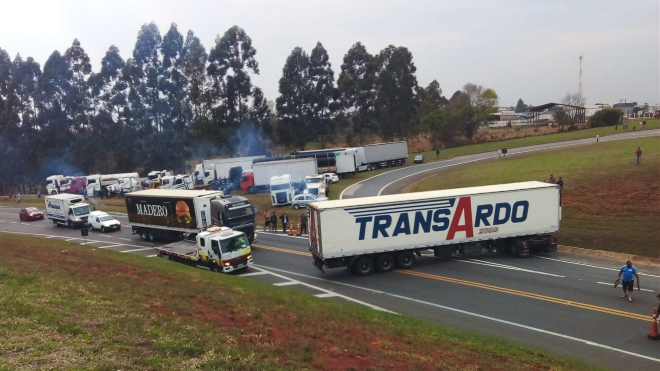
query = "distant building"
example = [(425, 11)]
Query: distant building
[(628, 108)]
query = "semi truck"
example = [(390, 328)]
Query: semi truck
[(171, 214), (220, 249), (259, 178), (67, 209), (380, 233), (342, 161), (281, 190), (317, 185), (212, 170), (56, 184), (384, 154), (98, 183)]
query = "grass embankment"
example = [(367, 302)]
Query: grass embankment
[(608, 203), (63, 306), (112, 204)]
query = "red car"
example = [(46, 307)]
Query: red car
[(31, 213)]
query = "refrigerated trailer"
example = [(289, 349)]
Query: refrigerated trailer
[(385, 154), (379, 233), (259, 178)]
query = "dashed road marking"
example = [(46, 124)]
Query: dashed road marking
[(142, 249), (288, 283), (326, 295), (109, 246), (609, 284), (253, 274)]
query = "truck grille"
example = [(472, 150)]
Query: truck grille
[(84, 218), (281, 197), (248, 230)]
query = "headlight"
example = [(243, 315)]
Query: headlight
[(226, 264), (249, 257)]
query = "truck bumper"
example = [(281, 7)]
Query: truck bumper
[(239, 266)]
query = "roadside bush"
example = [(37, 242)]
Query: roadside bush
[(606, 117)]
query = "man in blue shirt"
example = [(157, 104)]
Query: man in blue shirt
[(628, 282)]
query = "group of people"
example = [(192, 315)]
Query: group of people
[(15, 197), (270, 221), (559, 182)]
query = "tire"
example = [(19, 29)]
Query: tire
[(152, 235), (144, 233), (296, 206), (250, 190), (103, 229), (405, 260), (363, 266), (68, 224), (385, 263)]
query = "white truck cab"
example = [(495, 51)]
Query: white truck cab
[(176, 182), (281, 190), (53, 184), (316, 185)]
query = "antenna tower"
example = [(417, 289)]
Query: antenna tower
[(580, 86)]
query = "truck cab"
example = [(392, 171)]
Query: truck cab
[(281, 190), (204, 175), (247, 181), (53, 184), (176, 182), (235, 212), (67, 209), (316, 185)]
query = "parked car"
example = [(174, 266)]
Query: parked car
[(419, 159), (103, 222), (331, 177), (302, 200), (31, 213)]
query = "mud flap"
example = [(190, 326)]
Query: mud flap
[(318, 263)]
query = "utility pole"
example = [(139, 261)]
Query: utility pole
[(580, 86)]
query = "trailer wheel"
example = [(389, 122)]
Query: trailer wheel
[(405, 260), (250, 190), (363, 266), (385, 263), (152, 235), (143, 234)]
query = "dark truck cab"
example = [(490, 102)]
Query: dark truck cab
[(234, 212)]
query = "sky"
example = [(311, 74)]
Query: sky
[(521, 49)]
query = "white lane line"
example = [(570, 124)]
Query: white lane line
[(142, 249), (535, 329), (109, 246), (610, 284), (253, 274), (326, 295), (2, 221), (72, 239), (281, 235), (125, 239), (152, 256), (105, 235), (329, 292), (26, 224), (503, 266), (592, 266), (288, 283), (12, 222)]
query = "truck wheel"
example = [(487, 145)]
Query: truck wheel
[(152, 235), (363, 266), (250, 190), (68, 223), (144, 235), (405, 260), (385, 263), (103, 229)]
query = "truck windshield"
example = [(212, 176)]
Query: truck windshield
[(240, 212), (152, 176), (313, 180), (82, 210), (234, 244), (314, 191), (280, 187)]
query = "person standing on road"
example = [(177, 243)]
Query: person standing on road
[(639, 155), (628, 282), (266, 220), (303, 223), (273, 222), (560, 182), (285, 221), (38, 193), (597, 137), (552, 179), (437, 154)]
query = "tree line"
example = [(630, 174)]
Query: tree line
[(173, 99)]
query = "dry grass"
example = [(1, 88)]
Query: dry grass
[(608, 203), (63, 306)]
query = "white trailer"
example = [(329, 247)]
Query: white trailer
[(298, 169), (385, 154), (379, 233), (218, 168), (70, 210)]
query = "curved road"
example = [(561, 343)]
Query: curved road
[(560, 303)]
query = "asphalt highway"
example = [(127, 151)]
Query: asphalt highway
[(561, 303)]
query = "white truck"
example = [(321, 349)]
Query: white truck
[(54, 184), (379, 233), (67, 209), (259, 178), (220, 249), (214, 169), (384, 155), (316, 185), (168, 214), (98, 182), (176, 182), (281, 190)]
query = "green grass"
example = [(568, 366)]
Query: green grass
[(608, 203), (63, 306)]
